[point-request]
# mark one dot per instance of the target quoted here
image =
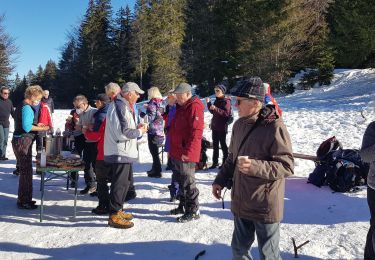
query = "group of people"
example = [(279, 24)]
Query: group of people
[(107, 135), (254, 167)]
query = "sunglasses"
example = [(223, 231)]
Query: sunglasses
[(217, 90), (5, 93), (238, 101)]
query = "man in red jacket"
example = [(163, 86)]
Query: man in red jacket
[(186, 132)]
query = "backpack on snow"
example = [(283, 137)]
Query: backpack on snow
[(342, 169), (347, 172), (323, 165)]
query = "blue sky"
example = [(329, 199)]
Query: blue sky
[(40, 27)]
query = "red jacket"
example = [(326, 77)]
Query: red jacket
[(186, 130), (44, 115), (99, 137)]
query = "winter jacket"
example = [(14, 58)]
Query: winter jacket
[(23, 120), (99, 117), (121, 133), (70, 125), (98, 136), (6, 109), (155, 118), (44, 115), (221, 114), (86, 118), (258, 195), (367, 153), (187, 129), (270, 100), (49, 102), (171, 114)]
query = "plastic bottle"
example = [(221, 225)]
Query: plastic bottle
[(43, 158)]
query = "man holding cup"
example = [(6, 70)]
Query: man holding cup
[(120, 149), (260, 158)]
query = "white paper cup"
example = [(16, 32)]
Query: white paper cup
[(242, 157)]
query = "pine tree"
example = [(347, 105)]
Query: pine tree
[(67, 79), (353, 33), (39, 75), (30, 77), (49, 76), (17, 94), (168, 28), (8, 50), (141, 43), (95, 49), (122, 35)]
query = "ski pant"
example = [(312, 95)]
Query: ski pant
[(370, 239), (184, 173), (4, 133), (219, 137), (89, 157), (131, 181), (103, 177), (268, 236), (154, 150), (22, 150), (120, 181)]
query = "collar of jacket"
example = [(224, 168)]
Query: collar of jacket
[(103, 109), (188, 103), (267, 113)]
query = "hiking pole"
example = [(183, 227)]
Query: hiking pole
[(298, 247)]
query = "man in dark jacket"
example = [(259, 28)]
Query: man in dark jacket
[(6, 109), (221, 110), (257, 166), (49, 101), (186, 132), (368, 155)]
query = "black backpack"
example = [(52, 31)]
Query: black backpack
[(342, 169), (347, 172), (324, 163)]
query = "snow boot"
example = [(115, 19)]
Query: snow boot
[(116, 221), (189, 216)]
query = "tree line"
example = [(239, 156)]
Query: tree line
[(163, 42)]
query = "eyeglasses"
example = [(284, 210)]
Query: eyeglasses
[(238, 101), (217, 90), (5, 93)]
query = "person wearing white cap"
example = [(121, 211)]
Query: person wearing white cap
[(120, 149)]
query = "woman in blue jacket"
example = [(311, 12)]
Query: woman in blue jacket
[(22, 142)]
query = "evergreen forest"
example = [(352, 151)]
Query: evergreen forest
[(164, 42)]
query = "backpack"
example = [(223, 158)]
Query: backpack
[(231, 117), (341, 169), (324, 163), (348, 172), (202, 164), (329, 145)]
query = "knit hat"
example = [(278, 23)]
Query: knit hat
[(222, 88), (250, 88)]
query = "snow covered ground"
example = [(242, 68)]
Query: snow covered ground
[(335, 224)]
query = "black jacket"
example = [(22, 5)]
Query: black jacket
[(49, 102), (6, 109)]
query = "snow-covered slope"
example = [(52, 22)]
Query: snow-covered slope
[(336, 224)]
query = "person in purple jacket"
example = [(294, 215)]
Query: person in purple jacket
[(221, 111), (155, 134)]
